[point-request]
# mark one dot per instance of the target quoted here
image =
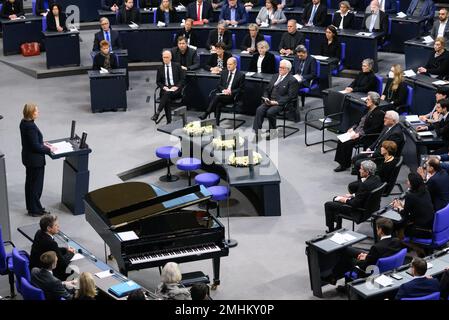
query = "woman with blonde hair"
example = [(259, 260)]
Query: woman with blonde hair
[(34, 150), (395, 90), (165, 12), (87, 289), (170, 287)]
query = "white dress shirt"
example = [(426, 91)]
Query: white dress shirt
[(232, 79), (169, 82), (342, 18), (259, 64), (441, 28)]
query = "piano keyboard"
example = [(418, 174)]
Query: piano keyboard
[(185, 252)]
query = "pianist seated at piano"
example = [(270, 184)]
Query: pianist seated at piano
[(438, 63), (170, 287), (12, 9), (56, 19), (105, 58)]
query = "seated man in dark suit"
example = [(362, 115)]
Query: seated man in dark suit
[(231, 84), (128, 13), (441, 127), (282, 89), (315, 14), (12, 9), (375, 20), (347, 203), (44, 241), (354, 257), (233, 13), (392, 131), (343, 18), (56, 19), (437, 181), (187, 33), (111, 5), (204, 8), (421, 285), (105, 58), (221, 34), (106, 33), (290, 39), (170, 78), (43, 278), (304, 67), (371, 123), (185, 56), (441, 26)]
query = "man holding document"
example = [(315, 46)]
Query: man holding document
[(304, 67), (361, 133), (34, 150)]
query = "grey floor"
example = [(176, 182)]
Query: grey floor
[(270, 260)]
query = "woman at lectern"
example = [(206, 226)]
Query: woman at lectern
[(34, 150), (105, 59), (56, 19)]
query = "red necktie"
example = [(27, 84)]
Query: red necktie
[(198, 14)]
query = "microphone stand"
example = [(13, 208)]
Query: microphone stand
[(230, 242)]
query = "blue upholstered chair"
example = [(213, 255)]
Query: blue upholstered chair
[(6, 262), (379, 84), (21, 268), (277, 61), (409, 100), (341, 63), (219, 193), (432, 296), (307, 44), (207, 179), (168, 153), (234, 42), (267, 38), (30, 292), (237, 57), (188, 165)]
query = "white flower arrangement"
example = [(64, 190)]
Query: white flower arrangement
[(219, 144), (244, 160), (194, 128)]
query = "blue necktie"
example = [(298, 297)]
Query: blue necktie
[(108, 39), (312, 15)]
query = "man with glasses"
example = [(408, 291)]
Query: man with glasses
[(106, 33), (282, 89)]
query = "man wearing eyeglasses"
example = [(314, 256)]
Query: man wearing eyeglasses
[(106, 33)]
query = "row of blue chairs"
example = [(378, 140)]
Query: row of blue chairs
[(17, 264)]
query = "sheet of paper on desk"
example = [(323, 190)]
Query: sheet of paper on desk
[(249, 74), (401, 15), (363, 98), (342, 91), (104, 274), (412, 118), (427, 39), (134, 26), (244, 51), (193, 47), (337, 238), (62, 147), (429, 265), (384, 281), (128, 235), (299, 26), (264, 25), (160, 24), (77, 256), (440, 82), (344, 137), (365, 34), (409, 73), (318, 57), (103, 70), (425, 133)]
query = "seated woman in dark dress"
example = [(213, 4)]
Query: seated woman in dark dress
[(217, 61), (438, 64), (166, 13), (263, 61), (251, 39), (365, 80), (331, 47), (105, 59), (395, 90), (416, 208), (56, 19)]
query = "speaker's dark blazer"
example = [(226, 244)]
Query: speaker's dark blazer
[(51, 22), (268, 63), (33, 148), (99, 61), (115, 40)]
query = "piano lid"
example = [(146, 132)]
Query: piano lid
[(128, 202)]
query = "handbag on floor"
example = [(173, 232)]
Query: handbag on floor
[(30, 49)]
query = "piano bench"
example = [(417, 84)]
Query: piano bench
[(190, 278)]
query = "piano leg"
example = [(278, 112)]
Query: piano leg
[(216, 268)]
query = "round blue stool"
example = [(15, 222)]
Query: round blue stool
[(207, 179), (188, 164), (219, 193), (168, 153)]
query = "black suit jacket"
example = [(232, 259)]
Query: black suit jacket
[(363, 191), (382, 249), (160, 15), (126, 16), (43, 243), (309, 69), (418, 287), (189, 35), (178, 75), (438, 186), (364, 82), (399, 96), (33, 148), (320, 16), (374, 123), (213, 60), (418, 209), (107, 4), (9, 9), (191, 56), (99, 61), (394, 134), (39, 6), (238, 84), (348, 21), (291, 41), (331, 50), (246, 43), (285, 92), (115, 40), (213, 38), (438, 65), (383, 25), (51, 22), (206, 8), (442, 128), (51, 286), (268, 63)]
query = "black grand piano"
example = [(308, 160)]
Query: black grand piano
[(145, 226)]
